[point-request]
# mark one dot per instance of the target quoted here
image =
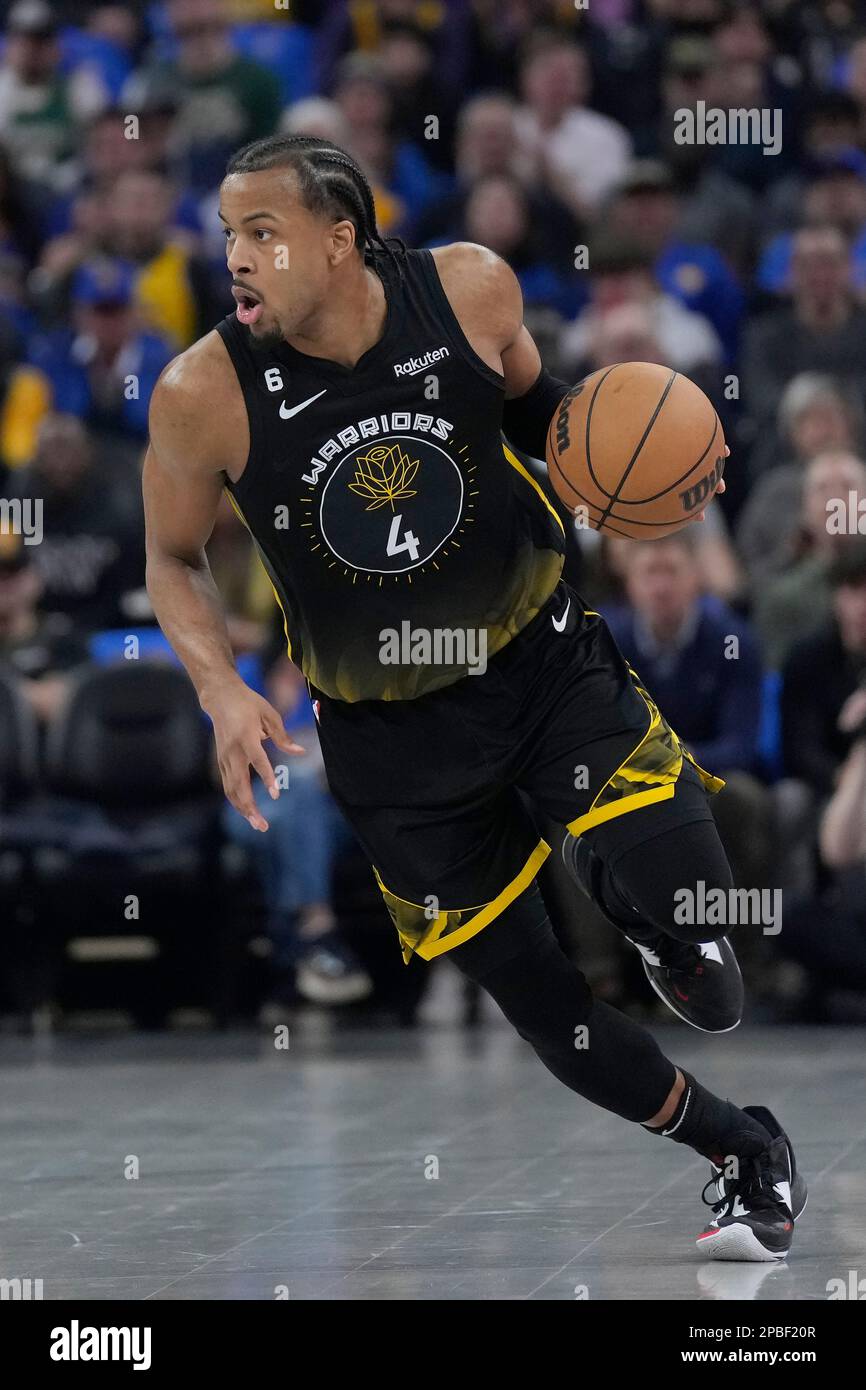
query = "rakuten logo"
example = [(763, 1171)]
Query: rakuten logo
[(417, 364)]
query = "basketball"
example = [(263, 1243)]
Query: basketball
[(638, 447)]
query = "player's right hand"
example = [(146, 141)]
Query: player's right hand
[(242, 721)]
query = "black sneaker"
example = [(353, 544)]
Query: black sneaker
[(328, 971), (700, 983), (754, 1214), (799, 1191)]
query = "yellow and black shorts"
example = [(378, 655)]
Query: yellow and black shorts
[(436, 788)]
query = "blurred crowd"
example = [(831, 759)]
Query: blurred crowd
[(549, 133)]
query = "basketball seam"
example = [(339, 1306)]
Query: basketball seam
[(616, 516), (640, 502), (627, 520), (633, 460), (589, 411)]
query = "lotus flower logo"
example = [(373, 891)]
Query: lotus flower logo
[(384, 475)]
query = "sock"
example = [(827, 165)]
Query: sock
[(713, 1127)]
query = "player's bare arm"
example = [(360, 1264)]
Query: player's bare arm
[(199, 436), (485, 295)]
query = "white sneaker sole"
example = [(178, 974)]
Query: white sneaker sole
[(736, 1242)]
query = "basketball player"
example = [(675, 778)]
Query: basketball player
[(353, 408)]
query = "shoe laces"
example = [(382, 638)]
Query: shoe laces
[(754, 1186)]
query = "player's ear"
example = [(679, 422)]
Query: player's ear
[(341, 242)]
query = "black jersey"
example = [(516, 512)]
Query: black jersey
[(386, 510)]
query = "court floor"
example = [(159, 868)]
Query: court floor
[(363, 1163)]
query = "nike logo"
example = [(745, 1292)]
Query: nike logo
[(559, 623), (287, 414)]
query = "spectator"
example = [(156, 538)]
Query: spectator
[(698, 660), (37, 648), (580, 155), (826, 933), (627, 58), (121, 25), (487, 144), (746, 76), (84, 237), (408, 54), (717, 209), (502, 32), (815, 412), (831, 132), (362, 28), (90, 559), (797, 600), (621, 274), (402, 180), (110, 147), (40, 108), (174, 290), (843, 826), (819, 39), (497, 214), (835, 196), (700, 664), (23, 210), (816, 416), (821, 673), (823, 330), (102, 369), (646, 210), (224, 99), (135, 220), (855, 77), (316, 116)]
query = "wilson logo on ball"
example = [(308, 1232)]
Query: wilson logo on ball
[(694, 496), (562, 436)]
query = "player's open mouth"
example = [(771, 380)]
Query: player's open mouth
[(250, 308)]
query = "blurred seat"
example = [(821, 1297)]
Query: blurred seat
[(18, 742), (18, 766), (126, 845)]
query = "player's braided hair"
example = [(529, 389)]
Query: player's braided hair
[(331, 183)]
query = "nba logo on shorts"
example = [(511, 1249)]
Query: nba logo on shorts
[(316, 710)]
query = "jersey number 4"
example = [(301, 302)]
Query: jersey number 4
[(409, 541)]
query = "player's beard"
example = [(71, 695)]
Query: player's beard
[(269, 339)]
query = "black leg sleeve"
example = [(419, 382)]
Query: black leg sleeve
[(588, 1046), (650, 856)]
